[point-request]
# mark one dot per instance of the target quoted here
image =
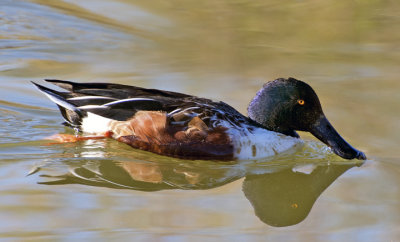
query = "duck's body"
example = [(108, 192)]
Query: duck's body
[(170, 123)]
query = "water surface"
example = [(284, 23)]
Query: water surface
[(348, 51)]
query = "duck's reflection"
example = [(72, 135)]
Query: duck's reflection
[(280, 195), (147, 176), (286, 197)]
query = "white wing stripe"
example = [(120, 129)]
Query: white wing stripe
[(174, 111), (91, 106), (188, 109), (61, 102), (129, 100), (90, 97)]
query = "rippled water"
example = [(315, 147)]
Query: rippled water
[(225, 50)]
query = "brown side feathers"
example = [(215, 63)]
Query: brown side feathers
[(151, 131)]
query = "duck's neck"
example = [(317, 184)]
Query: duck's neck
[(288, 132), (270, 113), (275, 128)]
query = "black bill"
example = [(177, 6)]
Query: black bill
[(325, 132)]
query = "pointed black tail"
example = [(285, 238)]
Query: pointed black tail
[(72, 115)]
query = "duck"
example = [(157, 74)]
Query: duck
[(189, 127)]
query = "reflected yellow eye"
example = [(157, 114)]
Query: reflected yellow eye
[(301, 102)]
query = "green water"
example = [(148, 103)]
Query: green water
[(348, 51)]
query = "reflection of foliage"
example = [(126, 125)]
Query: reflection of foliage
[(246, 38), (241, 33)]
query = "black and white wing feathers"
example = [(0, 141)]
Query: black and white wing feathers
[(121, 102)]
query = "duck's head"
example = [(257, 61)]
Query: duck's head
[(287, 105)]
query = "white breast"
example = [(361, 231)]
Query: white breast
[(260, 143)]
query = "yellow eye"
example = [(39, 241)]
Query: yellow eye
[(301, 102)]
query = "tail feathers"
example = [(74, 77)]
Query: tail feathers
[(70, 112), (71, 117), (67, 85), (75, 86)]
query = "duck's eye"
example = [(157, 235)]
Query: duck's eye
[(301, 102)]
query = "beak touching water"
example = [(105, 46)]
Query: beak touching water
[(325, 132)]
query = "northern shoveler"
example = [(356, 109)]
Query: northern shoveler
[(186, 126)]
